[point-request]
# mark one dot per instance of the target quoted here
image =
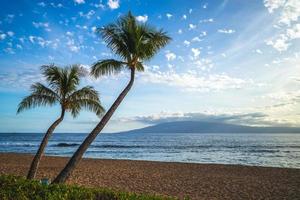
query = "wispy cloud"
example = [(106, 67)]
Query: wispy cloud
[(250, 119), (142, 18), (194, 82), (169, 15), (170, 56), (113, 4), (287, 22), (226, 31), (79, 1)]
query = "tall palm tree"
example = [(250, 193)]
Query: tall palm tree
[(62, 89), (133, 43)]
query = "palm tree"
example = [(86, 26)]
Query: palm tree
[(62, 89), (134, 43)]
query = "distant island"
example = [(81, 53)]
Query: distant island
[(210, 127)]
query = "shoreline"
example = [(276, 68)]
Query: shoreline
[(179, 179), (155, 161)]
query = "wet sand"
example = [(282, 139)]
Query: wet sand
[(198, 181)]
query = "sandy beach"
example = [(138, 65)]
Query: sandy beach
[(198, 181)]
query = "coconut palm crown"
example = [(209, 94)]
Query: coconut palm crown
[(61, 89), (133, 43)]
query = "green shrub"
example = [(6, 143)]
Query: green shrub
[(18, 188)]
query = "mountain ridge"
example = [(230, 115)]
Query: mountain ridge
[(210, 127)]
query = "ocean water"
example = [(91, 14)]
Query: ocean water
[(276, 150)]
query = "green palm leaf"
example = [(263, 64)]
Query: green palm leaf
[(132, 41), (63, 83), (107, 67)]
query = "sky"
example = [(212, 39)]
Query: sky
[(229, 61)]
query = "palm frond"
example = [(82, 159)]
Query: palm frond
[(73, 74), (82, 98), (88, 104), (139, 67), (111, 36), (40, 96), (106, 67), (87, 92), (35, 100), (152, 41), (40, 89), (133, 41), (54, 76)]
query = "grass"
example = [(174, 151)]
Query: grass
[(18, 188)]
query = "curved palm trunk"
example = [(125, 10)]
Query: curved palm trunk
[(36, 160), (66, 172)]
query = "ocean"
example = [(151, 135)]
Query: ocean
[(274, 150)]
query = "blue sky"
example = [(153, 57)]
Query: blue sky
[(230, 60)]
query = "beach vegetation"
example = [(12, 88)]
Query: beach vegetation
[(19, 188)]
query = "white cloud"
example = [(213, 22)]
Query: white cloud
[(180, 31), (184, 17), (205, 6), (113, 4), (10, 33), (196, 52), (42, 4), (294, 32), (206, 20), (226, 31), (290, 9), (169, 15), (196, 82), (273, 4), (245, 118), (40, 24), (59, 5), (170, 56), (288, 14), (258, 51), (282, 41), (2, 36), (280, 44), (203, 33), (20, 78), (74, 48), (187, 43), (42, 42), (31, 38), (291, 12), (79, 1), (81, 27), (68, 33), (100, 5), (94, 28), (196, 39), (142, 18), (9, 50), (44, 25), (87, 15), (192, 26), (204, 64), (9, 18)]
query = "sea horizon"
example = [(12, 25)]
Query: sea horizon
[(252, 149)]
